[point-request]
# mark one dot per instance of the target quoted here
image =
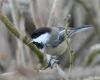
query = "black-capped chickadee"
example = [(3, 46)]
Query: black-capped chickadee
[(44, 36)]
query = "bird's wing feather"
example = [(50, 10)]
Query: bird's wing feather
[(71, 32)]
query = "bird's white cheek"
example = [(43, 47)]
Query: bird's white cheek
[(44, 38)]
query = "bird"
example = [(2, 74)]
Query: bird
[(47, 36)]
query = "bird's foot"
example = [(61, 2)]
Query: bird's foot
[(52, 60)]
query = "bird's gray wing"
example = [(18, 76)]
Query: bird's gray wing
[(71, 32)]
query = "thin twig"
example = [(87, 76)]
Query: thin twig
[(34, 11), (61, 72), (1, 4), (67, 38), (51, 17)]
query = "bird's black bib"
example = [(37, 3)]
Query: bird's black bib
[(39, 45)]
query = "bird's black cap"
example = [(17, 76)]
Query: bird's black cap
[(40, 31)]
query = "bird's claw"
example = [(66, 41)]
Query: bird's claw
[(53, 60)]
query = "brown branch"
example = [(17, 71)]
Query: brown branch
[(24, 39)]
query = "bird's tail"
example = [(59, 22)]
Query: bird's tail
[(79, 29)]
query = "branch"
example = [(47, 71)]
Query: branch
[(24, 39)]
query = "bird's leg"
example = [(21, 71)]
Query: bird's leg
[(52, 60)]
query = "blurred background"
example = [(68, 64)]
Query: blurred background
[(27, 15)]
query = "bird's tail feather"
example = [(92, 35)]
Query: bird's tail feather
[(79, 29)]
